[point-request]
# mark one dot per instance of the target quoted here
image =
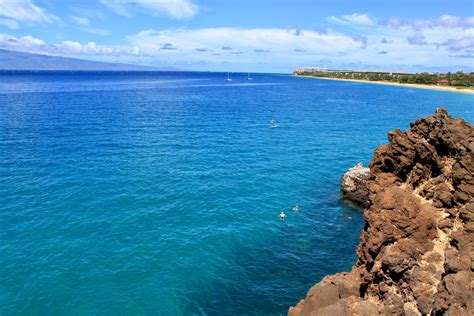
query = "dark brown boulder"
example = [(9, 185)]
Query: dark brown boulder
[(417, 248)]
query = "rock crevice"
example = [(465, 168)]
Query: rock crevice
[(416, 249)]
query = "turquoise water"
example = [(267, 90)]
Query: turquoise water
[(159, 193)]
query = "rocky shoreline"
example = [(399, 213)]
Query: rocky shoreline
[(416, 249)]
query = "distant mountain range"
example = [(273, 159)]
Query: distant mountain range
[(12, 60)]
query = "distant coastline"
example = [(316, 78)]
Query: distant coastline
[(14, 61), (407, 85)]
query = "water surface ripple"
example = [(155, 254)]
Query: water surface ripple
[(159, 193)]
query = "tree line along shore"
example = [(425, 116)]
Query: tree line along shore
[(459, 80)]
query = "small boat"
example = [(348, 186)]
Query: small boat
[(228, 77), (273, 123), (248, 77)]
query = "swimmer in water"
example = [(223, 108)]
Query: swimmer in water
[(296, 208), (282, 215)]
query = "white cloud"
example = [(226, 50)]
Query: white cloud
[(96, 31), (276, 40), (393, 22), (24, 11), (417, 39), (81, 20), (66, 48), (25, 43), (236, 48), (85, 24), (454, 21), (445, 32), (71, 48), (458, 44), (369, 44), (177, 9), (87, 10), (178, 47), (356, 18), (11, 24), (445, 21), (449, 20)]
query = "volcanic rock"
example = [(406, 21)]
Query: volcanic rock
[(416, 249), (354, 185)]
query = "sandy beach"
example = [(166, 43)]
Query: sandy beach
[(407, 85)]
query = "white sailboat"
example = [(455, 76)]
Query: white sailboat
[(248, 77), (228, 77)]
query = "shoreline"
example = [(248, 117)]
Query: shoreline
[(407, 85)]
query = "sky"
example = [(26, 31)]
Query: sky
[(247, 35)]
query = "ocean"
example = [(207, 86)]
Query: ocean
[(159, 193)]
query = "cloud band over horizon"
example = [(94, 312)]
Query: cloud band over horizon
[(356, 40)]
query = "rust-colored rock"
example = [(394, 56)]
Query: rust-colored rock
[(415, 252)]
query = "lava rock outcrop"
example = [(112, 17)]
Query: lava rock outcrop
[(354, 185), (416, 249)]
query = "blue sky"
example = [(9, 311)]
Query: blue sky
[(258, 35)]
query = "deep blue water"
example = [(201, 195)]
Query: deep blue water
[(159, 193)]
